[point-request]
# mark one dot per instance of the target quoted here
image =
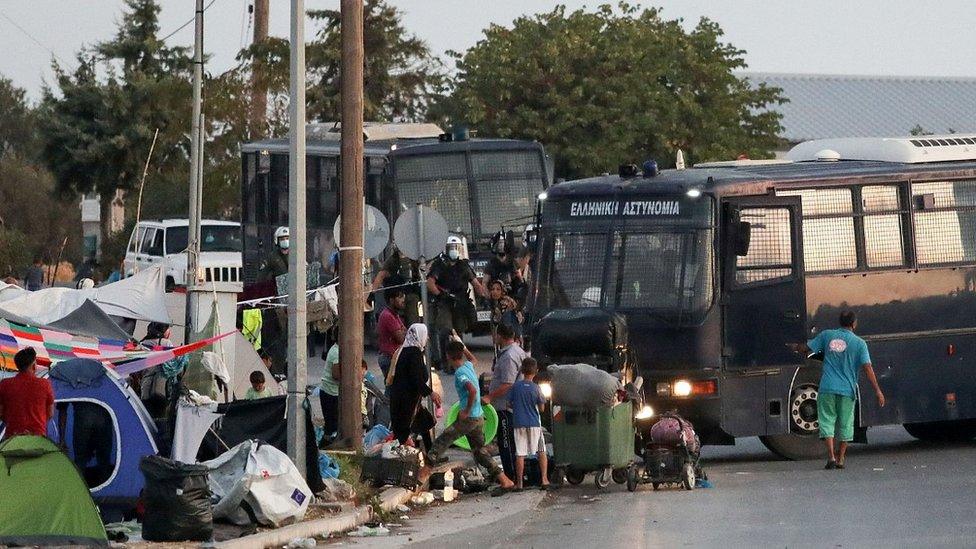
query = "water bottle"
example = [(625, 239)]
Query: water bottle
[(449, 486)]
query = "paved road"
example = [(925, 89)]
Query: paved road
[(894, 492)]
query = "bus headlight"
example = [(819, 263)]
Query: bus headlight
[(682, 388), (644, 413), (546, 389)]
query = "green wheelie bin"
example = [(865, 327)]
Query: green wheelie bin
[(599, 440)]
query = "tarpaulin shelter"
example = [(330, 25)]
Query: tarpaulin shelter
[(87, 320), (131, 433), (139, 297), (43, 499)]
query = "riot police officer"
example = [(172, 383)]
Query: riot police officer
[(400, 270), (447, 284), (276, 264), (274, 329)]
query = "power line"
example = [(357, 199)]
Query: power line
[(35, 40), (184, 25)]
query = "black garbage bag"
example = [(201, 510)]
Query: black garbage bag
[(591, 336), (177, 500)]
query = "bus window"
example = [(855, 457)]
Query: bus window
[(770, 251), (666, 271), (438, 181), (828, 229), (883, 242), (576, 271), (508, 183), (278, 192), (944, 231)]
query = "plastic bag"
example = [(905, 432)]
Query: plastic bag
[(262, 478), (177, 500), (328, 467), (375, 436), (583, 386)]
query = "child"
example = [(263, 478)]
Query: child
[(470, 421), (257, 389), (527, 401)]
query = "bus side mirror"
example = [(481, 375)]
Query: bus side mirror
[(743, 236)]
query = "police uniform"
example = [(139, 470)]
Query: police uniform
[(452, 309), (274, 266)]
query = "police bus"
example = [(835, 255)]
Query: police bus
[(479, 185), (716, 268)]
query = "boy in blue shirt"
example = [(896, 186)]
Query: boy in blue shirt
[(843, 353), (527, 401), (470, 421)]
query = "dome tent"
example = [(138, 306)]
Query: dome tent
[(43, 498)]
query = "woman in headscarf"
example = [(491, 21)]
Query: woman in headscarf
[(409, 381)]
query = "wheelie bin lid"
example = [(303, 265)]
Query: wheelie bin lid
[(491, 424)]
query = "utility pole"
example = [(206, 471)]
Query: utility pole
[(196, 179), (297, 309), (259, 91), (351, 229)]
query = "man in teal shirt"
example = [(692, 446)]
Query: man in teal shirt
[(843, 353)]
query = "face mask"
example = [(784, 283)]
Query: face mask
[(453, 254), (283, 244)]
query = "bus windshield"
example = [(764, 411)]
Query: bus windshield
[(500, 191), (669, 273), (213, 238), (660, 265)]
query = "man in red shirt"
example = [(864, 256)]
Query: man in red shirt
[(26, 401), (390, 328)]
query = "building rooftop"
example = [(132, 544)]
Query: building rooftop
[(824, 105)]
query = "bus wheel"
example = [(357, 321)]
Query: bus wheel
[(802, 442), (962, 430)]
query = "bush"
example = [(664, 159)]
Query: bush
[(15, 253)]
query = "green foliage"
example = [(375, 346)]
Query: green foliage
[(35, 221), (17, 125), (402, 77), (15, 252), (612, 86), (98, 124)]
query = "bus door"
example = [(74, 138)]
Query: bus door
[(764, 308)]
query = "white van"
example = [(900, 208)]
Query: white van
[(153, 242)]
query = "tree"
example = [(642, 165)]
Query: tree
[(402, 77), (98, 124), (33, 221), (613, 86), (97, 130), (17, 128)]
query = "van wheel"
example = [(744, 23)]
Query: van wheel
[(962, 430)]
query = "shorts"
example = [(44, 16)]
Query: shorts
[(529, 441), (836, 416)]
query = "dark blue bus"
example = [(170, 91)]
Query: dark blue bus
[(716, 268)]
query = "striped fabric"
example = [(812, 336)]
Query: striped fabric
[(53, 347)]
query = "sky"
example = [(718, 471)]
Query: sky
[(868, 37)]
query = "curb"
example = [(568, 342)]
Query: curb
[(389, 500)]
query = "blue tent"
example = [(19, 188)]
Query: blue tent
[(105, 428)]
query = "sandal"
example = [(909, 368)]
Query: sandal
[(831, 465), (499, 491)]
